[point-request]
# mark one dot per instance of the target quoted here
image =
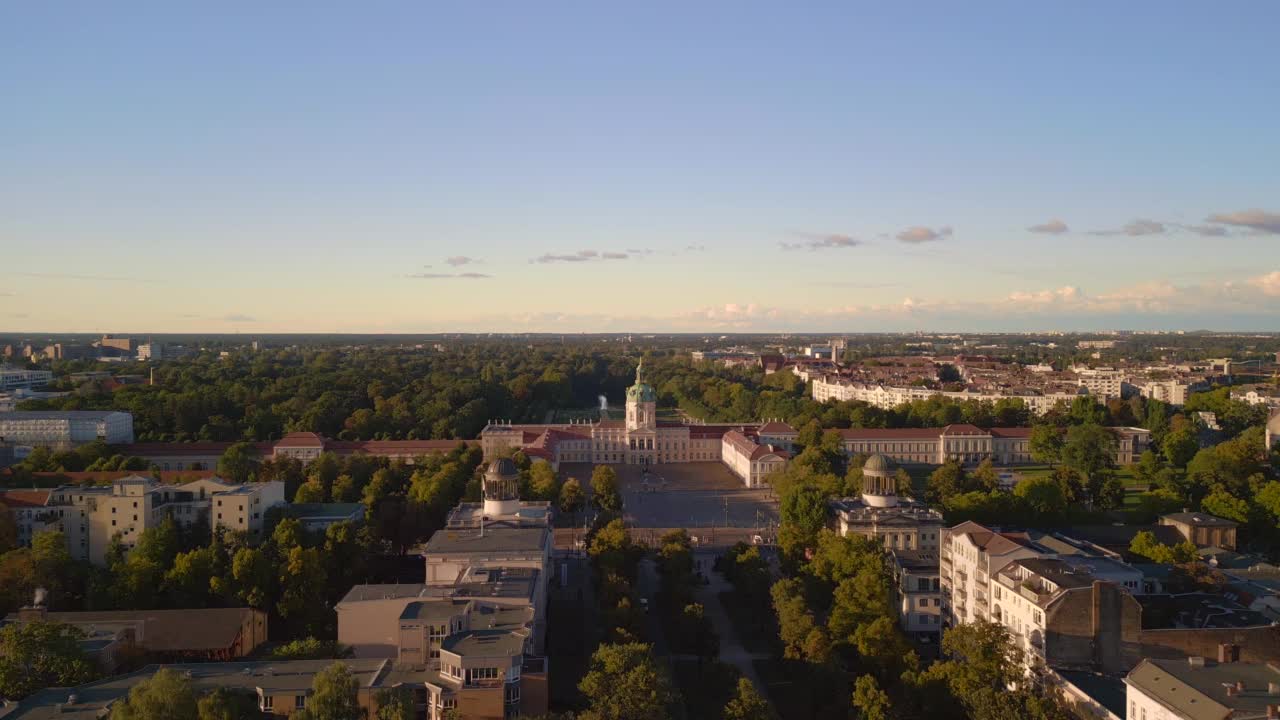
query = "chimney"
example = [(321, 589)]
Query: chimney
[(1273, 712), (1195, 661), (1273, 688), (1239, 686), (1232, 691), (1228, 652)]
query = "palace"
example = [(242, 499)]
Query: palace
[(751, 451)]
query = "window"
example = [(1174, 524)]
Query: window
[(268, 703), (299, 702)]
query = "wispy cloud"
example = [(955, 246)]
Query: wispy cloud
[(457, 260), (238, 317), (1206, 230), (448, 276), (920, 234), (1137, 228), (580, 256), (1053, 227), (71, 276), (1259, 221), (820, 241), (695, 248)]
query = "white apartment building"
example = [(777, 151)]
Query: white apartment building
[(65, 429), (12, 378), (1173, 392), (830, 387), (971, 555), (919, 594), (1045, 595), (1103, 383), (1195, 688)]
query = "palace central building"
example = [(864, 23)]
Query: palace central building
[(751, 451)]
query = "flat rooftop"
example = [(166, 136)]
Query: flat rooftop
[(488, 540)]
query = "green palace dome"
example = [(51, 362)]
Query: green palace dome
[(641, 392)]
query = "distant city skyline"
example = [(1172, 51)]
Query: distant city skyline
[(720, 167)]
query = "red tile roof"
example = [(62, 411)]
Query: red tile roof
[(24, 498), (301, 440)]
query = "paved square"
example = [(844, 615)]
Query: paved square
[(686, 495)]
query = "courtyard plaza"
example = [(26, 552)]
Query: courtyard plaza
[(704, 498)]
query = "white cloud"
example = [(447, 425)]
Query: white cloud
[(457, 260), (819, 241), (1136, 228), (447, 276), (1268, 284), (580, 256)]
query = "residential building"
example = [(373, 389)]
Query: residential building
[(12, 378), (1103, 383), (970, 557), (283, 687), (303, 446), (477, 624), (29, 511), (239, 508), (151, 351), (1174, 392), (90, 516), (119, 343), (1063, 615), (1196, 688), (919, 594), (831, 387)]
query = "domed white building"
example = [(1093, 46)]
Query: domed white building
[(900, 523)]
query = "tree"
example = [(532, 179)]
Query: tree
[(228, 704), (604, 488), (1042, 496), (167, 695), (333, 696), (1144, 544), (310, 648), (543, 483), (1180, 445), (624, 682), (1046, 443), (1225, 505), (302, 589), (253, 577), (804, 513), (394, 704), (310, 491), (37, 655), (571, 496), (748, 704), (238, 462), (872, 702), (985, 477), (8, 530), (946, 480), (795, 619)]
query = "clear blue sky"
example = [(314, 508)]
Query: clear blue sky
[(271, 167)]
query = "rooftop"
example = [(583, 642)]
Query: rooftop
[(93, 700), (59, 414), (1198, 518), (1201, 692), (167, 630), (489, 540)]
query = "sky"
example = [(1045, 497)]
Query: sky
[(638, 167)]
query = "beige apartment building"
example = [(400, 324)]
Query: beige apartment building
[(476, 628), (91, 516), (749, 459), (831, 387)]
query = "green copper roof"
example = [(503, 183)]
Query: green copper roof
[(641, 392)]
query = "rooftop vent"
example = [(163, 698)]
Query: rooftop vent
[(1195, 661)]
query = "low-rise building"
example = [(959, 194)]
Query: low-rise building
[(751, 460), (192, 634), (1196, 688), (319, 517), (12, 378), (29, 509), (1203, 529), (65, 429)]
